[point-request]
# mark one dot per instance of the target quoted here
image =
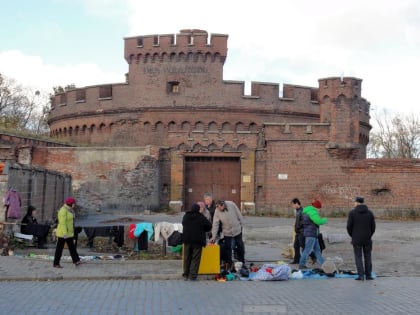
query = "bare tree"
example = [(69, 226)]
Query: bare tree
[(22, 109), (395, 136)]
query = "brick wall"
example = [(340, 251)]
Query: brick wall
[(116, 180), (390, 187)]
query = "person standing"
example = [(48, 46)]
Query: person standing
[(65, 233), (311, 223), (194, 228), (361, 226), (299, 240), (204, 211), (229, 216), (210, 204)]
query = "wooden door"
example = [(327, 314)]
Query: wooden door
[(216, 174)]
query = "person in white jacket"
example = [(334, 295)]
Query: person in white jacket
[(229, 216)]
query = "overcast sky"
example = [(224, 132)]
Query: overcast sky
[(46, 43)]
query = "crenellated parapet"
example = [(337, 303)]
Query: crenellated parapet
[(195, 45), (342, 105), (336, 90)]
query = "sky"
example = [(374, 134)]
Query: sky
[(47, 43)]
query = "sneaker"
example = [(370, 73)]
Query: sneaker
[(78, 263), (369, 278), (58, 266), (359, 279)]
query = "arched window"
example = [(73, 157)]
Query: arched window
[(253, 127), (186, 126), (172, 126), (240, 127), (226, 126), (212, 126), (199, 126), (159, 126)]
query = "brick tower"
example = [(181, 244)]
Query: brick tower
[(342, 106), (174, 62)]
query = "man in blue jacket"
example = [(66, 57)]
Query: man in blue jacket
[(361, 226)]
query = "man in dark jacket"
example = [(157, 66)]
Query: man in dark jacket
[(361, 226), (210, 204), (299, 240), (194, 225)]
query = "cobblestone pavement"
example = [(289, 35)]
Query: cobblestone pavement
[(392, 295)]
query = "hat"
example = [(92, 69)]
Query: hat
[(329, 268), (195, 208), (359, 199), (70, 201), (317, 204)]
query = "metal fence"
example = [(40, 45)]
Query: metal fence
[(42, 188)]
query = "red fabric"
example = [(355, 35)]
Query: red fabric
[(70, 201), (317, 204), (131, 230)]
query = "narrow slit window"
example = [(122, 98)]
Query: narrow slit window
[(173, 87), (81, 95)]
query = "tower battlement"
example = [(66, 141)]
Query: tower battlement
[(167, 45), (350, 87)]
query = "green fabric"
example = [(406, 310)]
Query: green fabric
[(313, 214), (65, 222), (176, 249)]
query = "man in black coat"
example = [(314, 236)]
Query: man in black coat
[(361, 226), (194, 226)]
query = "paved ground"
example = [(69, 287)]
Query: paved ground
[(396, 252), (137, 287), (390, 295)]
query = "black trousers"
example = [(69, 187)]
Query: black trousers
[(39, 230), (363, 258), (59, 250), (226, 250), (192, 257)]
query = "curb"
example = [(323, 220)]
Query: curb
[(87, 278)]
